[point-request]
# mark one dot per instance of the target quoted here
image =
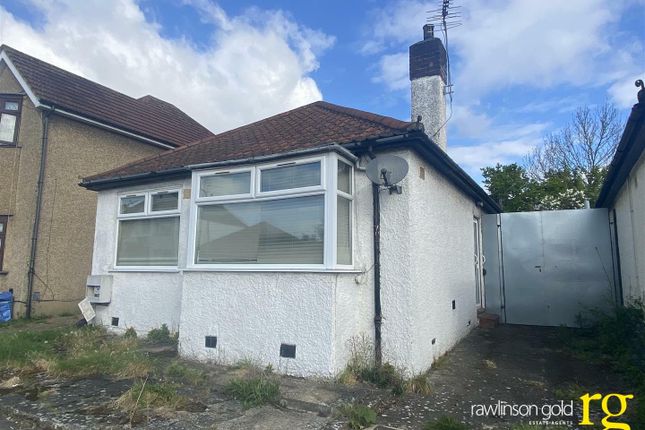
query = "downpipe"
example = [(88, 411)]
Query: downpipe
[(39, 203)]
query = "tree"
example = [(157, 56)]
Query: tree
[(511, 187), (580, 152)]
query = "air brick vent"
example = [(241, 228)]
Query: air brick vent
[(287, 351), (211, 342)]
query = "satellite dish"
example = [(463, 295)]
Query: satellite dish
[(387, 170)]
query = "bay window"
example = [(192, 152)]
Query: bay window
[(148, 231), (272, 216)]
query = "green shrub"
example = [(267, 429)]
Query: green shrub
[(359, 416), (445, 423), (162, 336)]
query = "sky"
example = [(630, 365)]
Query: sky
[(519, 68)]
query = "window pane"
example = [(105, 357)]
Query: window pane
[(165, 202), (132, 204), (296, 176), (148, 242), (344, 177), (287, 231), (1, 227), (11, 105), (7, 127), (344, 231), (225, 184)]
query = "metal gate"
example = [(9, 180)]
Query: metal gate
[(545, 268)]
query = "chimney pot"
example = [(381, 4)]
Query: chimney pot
[(428, 32)]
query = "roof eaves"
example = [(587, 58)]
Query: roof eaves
[(627, 154), (118, 181)]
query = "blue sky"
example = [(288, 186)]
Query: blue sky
[(520, 67)]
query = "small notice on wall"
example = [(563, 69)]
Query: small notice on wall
[(87, 310)]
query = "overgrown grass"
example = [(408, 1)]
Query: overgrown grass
[(18, 348), (255, 389), (144, 395), (74, 353), (358, 416), (162, 336), (180, 372), (445, 423), (617, 338)]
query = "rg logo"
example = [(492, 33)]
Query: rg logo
[(604, 404)]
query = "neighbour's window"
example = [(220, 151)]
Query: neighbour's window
[(3, 235), (148, 229), (9, 118), (268, 215)]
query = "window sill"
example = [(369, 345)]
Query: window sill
[(272, 269), (3, 273), (145, 269)]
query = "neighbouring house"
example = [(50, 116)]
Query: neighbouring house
[(56, 128), (623, 193), (259, 242)]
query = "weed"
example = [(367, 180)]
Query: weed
[(419, 384), (445, 423), (359, 416), (181, 372), (162, 336), (130, 333), (617, 338), (256, 389), (570, 391), (143, 395), (361, 367)]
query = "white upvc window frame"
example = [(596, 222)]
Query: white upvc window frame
[(352, 224), (147, 213), (327, 188)]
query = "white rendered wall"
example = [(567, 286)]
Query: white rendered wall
[(630, 223), (429, 101), (427, 261), (142, 300), (252, 313)]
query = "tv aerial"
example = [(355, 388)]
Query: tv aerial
[(387, 171)]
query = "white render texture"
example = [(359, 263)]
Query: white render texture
[(630, 223), (429, 101), (427, 261)]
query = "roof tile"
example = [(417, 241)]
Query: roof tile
[(310, 126), (147, 116)]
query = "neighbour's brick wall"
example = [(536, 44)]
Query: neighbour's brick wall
[(66, 233)]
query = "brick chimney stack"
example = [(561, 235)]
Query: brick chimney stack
[(428, 68)]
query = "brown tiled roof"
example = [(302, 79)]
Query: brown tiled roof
[(146, 116), (310, 126)]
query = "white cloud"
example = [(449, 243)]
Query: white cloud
[(393, 71), (488, 153), (505, 43), (623, 92), (257, 64)]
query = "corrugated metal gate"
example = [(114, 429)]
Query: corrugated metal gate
[(544, 268)]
